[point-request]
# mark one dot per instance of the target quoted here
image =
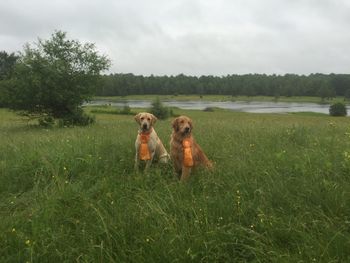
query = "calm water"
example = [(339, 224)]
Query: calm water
[(244, 106)]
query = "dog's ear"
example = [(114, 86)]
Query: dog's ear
[(154, 119), (137, 117), (175, 124)]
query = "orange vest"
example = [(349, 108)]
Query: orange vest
[(187, 145), (144, 151)]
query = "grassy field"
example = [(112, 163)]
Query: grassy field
[(280, 192), (223, 98)]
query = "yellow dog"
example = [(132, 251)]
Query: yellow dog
[(148, 145)]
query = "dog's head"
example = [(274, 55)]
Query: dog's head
[(182, 125), (145, 120)]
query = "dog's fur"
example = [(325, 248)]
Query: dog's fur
[(182, 128), (156, 148)]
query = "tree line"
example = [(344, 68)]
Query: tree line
[(322, 85)]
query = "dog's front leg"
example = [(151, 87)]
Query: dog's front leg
[(136, 165), (149, 162), (185, 173)]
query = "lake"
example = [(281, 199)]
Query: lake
[(243, 106)]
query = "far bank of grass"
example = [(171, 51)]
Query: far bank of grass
[(222, 98)]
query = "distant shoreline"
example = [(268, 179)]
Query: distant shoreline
[(149, 97)]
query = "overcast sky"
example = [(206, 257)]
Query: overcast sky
[(194, 37)]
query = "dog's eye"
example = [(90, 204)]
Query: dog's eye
[(148, 119), (182, 121), (142, 118)]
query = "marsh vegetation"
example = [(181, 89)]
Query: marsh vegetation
[(280, 192)]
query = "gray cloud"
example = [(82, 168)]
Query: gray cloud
[(193, 36)]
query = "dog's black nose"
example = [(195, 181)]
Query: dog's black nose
[(187, 129), (145, 126)]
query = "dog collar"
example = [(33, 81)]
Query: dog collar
[(187, 146)]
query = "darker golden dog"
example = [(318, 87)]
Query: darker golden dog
[(184, 151)]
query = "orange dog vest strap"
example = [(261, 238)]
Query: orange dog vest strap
[(144, 151), (187, 145)]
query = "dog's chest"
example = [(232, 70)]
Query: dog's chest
[(152, 144), (176, 150), (152, 141)]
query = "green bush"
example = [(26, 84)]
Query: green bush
[(209, 109), (5, 85), (159, 110), (56, 76), (76, 117), (338, 109), (46, 121), (126, 110)]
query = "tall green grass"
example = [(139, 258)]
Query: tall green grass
[(280, 192)]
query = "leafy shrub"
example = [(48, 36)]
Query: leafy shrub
[(338, 109), (159, 110), (126, 110), (56, 76), (209, 109), (4, 87), (77, 117), (46, 121)]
